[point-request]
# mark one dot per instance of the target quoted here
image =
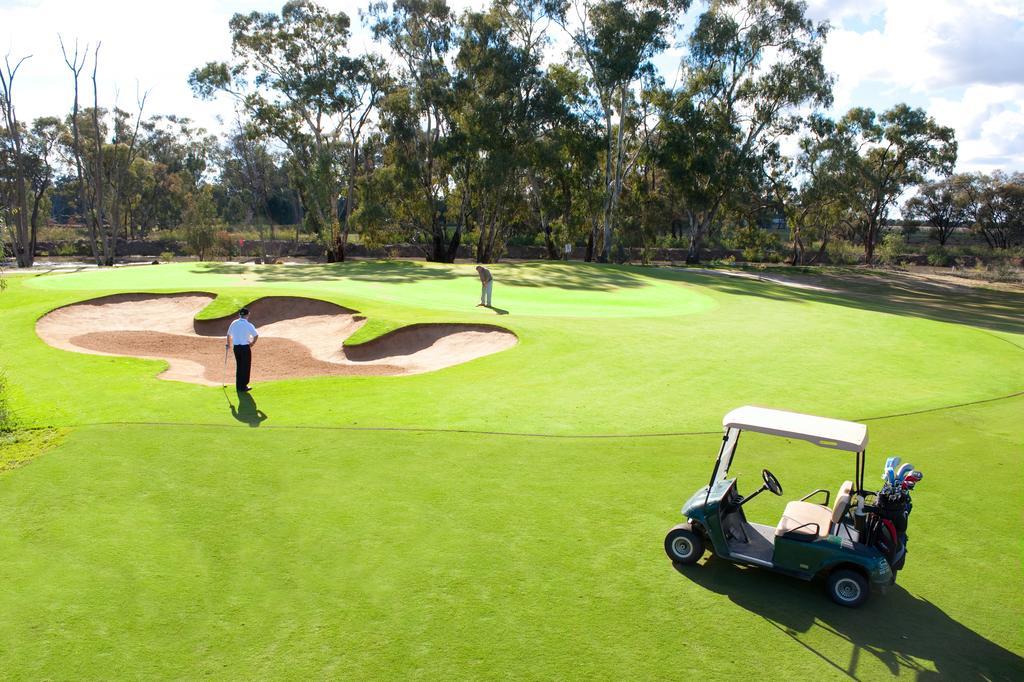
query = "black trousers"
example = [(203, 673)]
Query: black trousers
[(243, 363)]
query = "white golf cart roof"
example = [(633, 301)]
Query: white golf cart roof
[(828, 433)]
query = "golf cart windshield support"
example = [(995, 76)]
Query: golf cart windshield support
[(724, 461)]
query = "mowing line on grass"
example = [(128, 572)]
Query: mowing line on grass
[(514, 434)]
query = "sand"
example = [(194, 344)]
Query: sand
[(299, 337)]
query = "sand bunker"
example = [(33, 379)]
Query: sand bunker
[(299, 337)]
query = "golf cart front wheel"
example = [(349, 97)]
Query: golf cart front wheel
[(683, 546), (848, 588)]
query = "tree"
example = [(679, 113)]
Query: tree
[(76, 66), (995, 204), (752, 66), (881, 156), (565, 183), (175, 155), (41, 143), (503, 106), (291, 74), (416, 119), (615, 40), (810, 191), (247, 168), (200, 218), (941, 204), (14, 154)]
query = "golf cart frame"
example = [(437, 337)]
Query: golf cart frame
[(811, 539)]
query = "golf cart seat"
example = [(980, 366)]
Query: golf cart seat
[(807, 521)]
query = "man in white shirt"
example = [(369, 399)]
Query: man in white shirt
[(242, 336)]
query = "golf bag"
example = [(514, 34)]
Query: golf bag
[(888, 517)]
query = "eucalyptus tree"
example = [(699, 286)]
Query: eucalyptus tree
[(751, 67), (291, 74), (615, 41), (881, 155), (121, 157), (76, 65), (247, 170), (941, 204), (995, 204), (41, 152), (565, 180), (809, 187), (504, 107), (368, 82), (416, 120), (15, 156), (174, 156)]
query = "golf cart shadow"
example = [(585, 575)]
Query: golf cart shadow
[(902, 631)]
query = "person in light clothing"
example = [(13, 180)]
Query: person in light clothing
[(242, 336), (486, 281)]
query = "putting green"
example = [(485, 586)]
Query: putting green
[(560, 290), (177, 532)]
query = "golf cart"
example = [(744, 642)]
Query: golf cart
[(857, 540)]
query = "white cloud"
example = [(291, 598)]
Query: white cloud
[(989, 121), (959, 58)]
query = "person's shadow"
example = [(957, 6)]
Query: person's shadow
[(500, 311), (247, 411), (899, 629)]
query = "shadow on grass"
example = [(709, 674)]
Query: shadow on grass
[(890, 292), (893, 293), (898, 629), (582, 276), (247, 412), (394, 272)]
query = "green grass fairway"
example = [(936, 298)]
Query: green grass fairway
[(469, 523)]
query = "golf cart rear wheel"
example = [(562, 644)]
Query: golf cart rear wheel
[(848, 588), (683, 546)]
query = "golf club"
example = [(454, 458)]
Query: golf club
[(224, 375)]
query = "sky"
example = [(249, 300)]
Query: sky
[(961, 60)]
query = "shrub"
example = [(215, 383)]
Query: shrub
[(200, 239), (67, 249), (167, 256), (842, 253), (938, 256), (227, 244), (756, 244), (892, 248), (1004, 271)]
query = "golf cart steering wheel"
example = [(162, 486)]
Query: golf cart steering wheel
[(771, 482)]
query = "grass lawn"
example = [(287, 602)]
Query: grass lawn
[(465, 523)]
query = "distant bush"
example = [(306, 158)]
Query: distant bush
[(938, 256), (892, 248), (1005, 271), (227, 244), (842, 253), (200, 240), (756, 245), (166, 256)]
